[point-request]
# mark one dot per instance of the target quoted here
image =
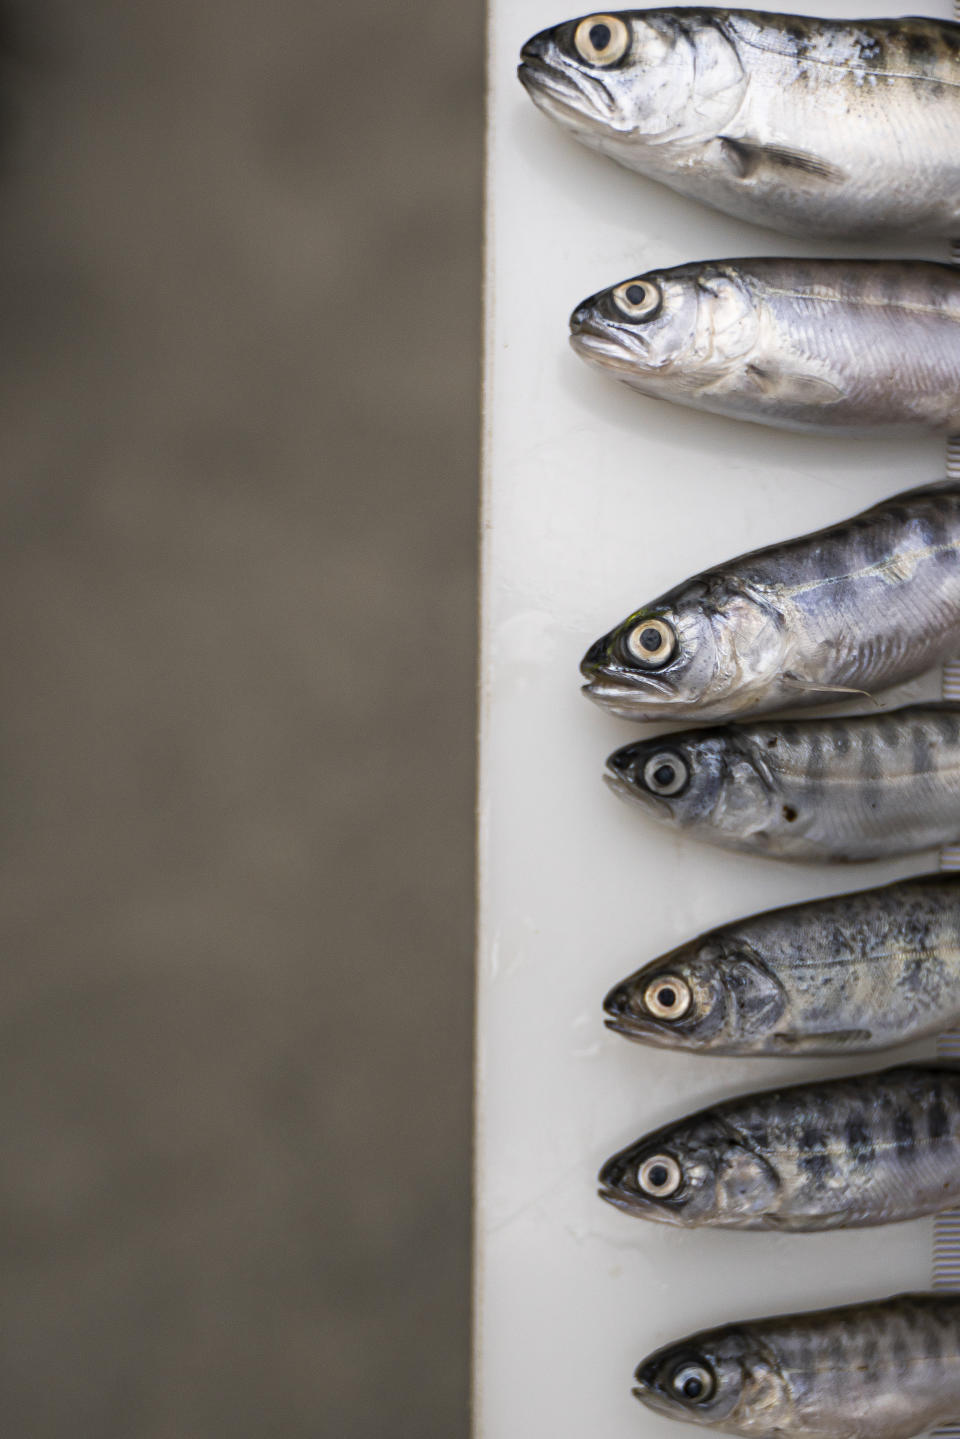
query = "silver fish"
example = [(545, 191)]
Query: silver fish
[(844, 975), (857, 607), (808, 125), (802, 344), (883, 1370), (841, 1153), (841, 789)]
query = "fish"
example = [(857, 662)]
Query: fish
[(837, 976), (835, 790), (836, 1154), (819, 345), (850, 609), (886, 1369), (803, 124)]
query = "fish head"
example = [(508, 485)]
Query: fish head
[(723, 1378), (635, 79), (713, 994), (672, 332), (709, 649), (707, 779), (699, 1172), (677, 777)]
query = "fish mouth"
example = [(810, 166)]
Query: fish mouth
[(636, 1030), (639, 1208), (597, 345), (608, 349), (641, 701), (620, 787), (624, 790), (651, 1399), (567, 95), (610, 1196)]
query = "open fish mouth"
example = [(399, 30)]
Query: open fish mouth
[(640, 1208), (637, 1029), (606, 347), (652, 1400), (626, 699), (617, 1200), (624, 790), (620, 787), (565, 94)]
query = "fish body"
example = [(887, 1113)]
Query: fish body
[(841, 1153), (844, 975), (838, 345), (808, 125), (883, 1370), (860, 606), (824, 790)]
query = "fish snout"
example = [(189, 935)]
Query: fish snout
[(612, 1174), (536, 50), (617, 1003), (580, 319), (647, 1374), (622, 762), (594, 659)]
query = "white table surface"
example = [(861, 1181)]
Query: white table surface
[(595, 500)]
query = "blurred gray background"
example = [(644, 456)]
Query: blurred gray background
[(239, 286)]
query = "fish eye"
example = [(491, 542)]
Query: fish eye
[(638, 299), (668, 997), (602, 39), (694, 1382), (665, 774), (652, 642), (660, 1176)]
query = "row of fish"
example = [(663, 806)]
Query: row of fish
[(849, 610), (851, 1152), (817, 127), (810, 125)]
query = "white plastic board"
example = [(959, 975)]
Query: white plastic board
[(595, 500)]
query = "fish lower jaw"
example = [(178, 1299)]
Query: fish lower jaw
[(638, 1035), (558, 104), (629, 703), (656, 807), (598, 348), (650, 1399), (610, 1196)]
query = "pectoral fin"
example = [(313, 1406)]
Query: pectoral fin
[(782, 387), (748, 160), (797, 682)]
